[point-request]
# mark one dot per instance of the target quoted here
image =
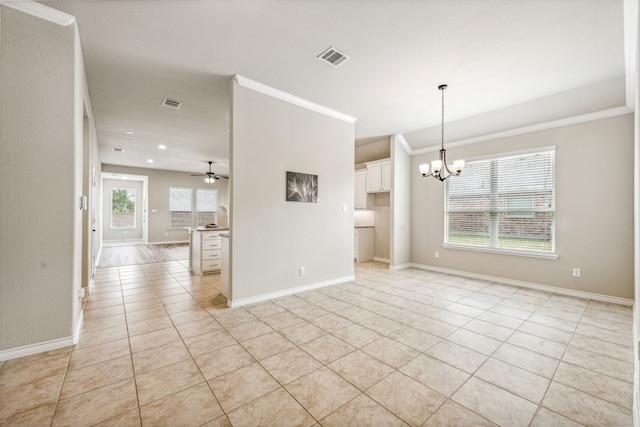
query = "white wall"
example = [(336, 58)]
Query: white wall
[(270, 237), (594, 210), (400, 203), (41, 180)]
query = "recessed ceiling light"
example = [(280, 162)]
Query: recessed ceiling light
[(149, 161), (128, 132), (162, 147), (118, 150)]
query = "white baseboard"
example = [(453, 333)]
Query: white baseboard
[(376, 258), (28, 350), (523, 284), (289, 291), (168, 242), (400, 266)]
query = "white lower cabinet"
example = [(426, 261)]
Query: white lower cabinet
[(363, 242), (206, 251)]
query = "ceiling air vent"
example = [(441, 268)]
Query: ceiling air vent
[(118, 150), (333, 57), (171, 103)]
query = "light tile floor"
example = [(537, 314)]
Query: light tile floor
[(409, 347)]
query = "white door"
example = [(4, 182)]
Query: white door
[(123, 210)]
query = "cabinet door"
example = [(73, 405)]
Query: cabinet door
[(360, 201), (386, 176), (374, 178)]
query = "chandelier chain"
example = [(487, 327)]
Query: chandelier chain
[(442, 127)]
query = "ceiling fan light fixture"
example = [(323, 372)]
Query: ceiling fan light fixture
[(210, 180)]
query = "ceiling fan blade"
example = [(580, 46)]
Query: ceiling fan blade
[(220, 176)]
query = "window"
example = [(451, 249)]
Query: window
[(504, 204), (180, 201), (123, 208), (206, 206)]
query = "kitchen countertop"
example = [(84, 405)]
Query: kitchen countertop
[(211, 229), (364, 226)]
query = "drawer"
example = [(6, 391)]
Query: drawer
[(211, 265), (214, 254), (207, 245), (211, 235)]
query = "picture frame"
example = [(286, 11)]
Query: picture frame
[(301, 187)]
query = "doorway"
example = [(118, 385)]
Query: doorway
[(124, 209)]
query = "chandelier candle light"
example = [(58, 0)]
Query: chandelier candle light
[(438, 165)]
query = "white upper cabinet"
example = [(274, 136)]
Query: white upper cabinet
[(360, 201), (379, 176)]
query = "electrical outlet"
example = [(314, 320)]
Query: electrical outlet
[(301, 271), (576, 272), (436, 255)]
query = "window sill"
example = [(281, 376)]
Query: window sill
[(551, 256)]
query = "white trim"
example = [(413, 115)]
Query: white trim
[(541, 255), (40, 11), (523, 284), (289, 291), (404, 143), (612, 112), (400, 266), (76, 336), (28, 350), (630, 8), (292, 99), (379, 259)]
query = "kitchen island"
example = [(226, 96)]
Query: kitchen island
[(205, 249)]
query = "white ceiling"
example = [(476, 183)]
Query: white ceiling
[(508, 64)]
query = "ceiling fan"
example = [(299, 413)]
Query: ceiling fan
[(211, 176)]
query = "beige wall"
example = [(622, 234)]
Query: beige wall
[(594, 210), (159, 183), (41, 180), (270, 237), (372, 150)]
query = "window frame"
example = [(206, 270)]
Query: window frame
[(494, 233)]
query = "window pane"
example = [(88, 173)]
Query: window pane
[(180, 200), (180, 219), (123, 207), (206, 206), (506, 202)]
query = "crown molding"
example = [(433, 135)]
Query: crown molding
[(40, 11), (404, 143), (612, 112), (292, 99)]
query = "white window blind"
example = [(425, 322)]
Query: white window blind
[(206, 206), (505, 203), (180, 202)]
